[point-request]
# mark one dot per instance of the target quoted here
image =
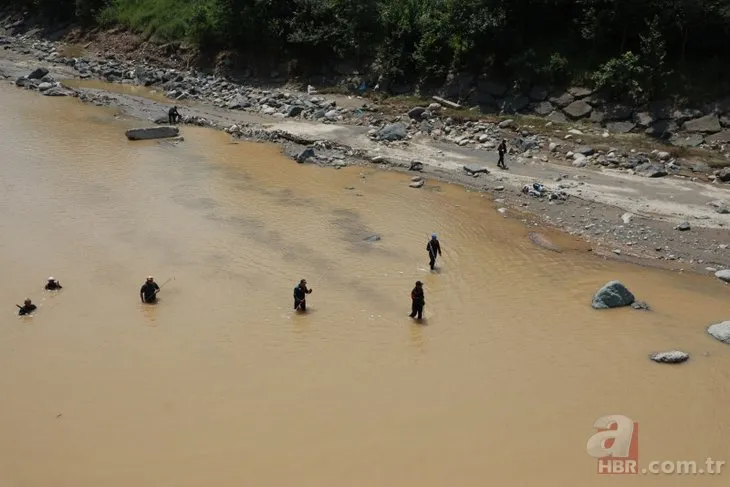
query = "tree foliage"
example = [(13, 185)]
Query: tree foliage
[(627, 45)]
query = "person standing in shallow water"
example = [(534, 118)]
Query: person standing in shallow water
[(300, 295), (27, 308), (53, 284), (433, 247), (418, 301), (149, 290)]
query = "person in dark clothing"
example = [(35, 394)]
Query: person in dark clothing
[(149, 290), (300, 295), (433, 247), (173, 115), (418, 301), (27, 308), (502, 149), (53, 285)]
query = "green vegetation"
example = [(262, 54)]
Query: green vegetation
[(165, 19), (630, 48)]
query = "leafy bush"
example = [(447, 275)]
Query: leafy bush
[(557, 69), (413, 40), (621, 77), (166, 20)]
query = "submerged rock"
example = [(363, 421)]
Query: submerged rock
[(671, 357), (152, 133), (720, 331), (416, 184), (542, 241), (613, 295), (57, 91)]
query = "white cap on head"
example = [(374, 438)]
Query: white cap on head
[(51, 279), (149, 278)]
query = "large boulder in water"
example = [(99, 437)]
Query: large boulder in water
[(720, 331), (152, 133), (612, 295), (671, 357)]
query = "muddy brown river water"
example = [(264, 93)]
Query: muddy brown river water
[(220, 384)]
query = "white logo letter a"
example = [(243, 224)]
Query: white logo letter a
[(596, 446)]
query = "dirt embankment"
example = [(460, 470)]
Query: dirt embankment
[(620, 213)]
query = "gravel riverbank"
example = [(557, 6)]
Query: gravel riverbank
[(645, 206)]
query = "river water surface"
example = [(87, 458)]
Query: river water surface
[(221, 385)]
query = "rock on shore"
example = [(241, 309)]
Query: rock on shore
[(683, 127), (723, 275), (708, 127)]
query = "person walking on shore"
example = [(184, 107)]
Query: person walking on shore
[(433, 247), (502, 150), (418, 301)]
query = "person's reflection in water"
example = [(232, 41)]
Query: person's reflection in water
[(150, 315), (416, 334)]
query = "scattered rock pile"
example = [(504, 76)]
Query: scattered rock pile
[(709, 127), (40, 80)]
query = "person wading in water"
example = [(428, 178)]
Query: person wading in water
[(300, 296), (418, 301), (433, 247), (27, 308), (53, 284), (149, 290)]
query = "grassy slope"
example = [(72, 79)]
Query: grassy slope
[(166, 20)]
